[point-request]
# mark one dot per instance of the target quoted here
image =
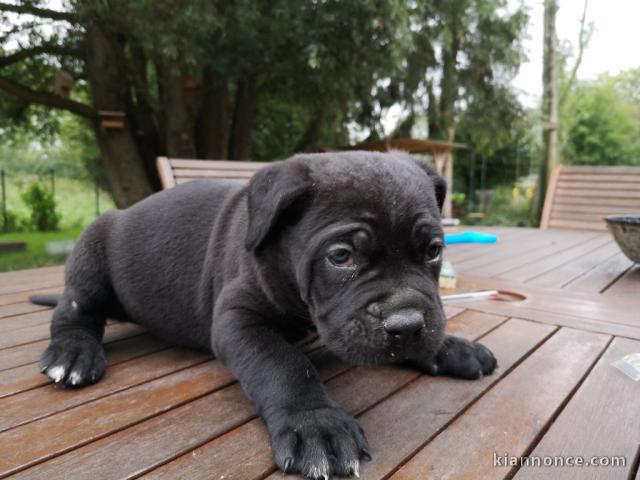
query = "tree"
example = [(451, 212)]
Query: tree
[(549, 100), (220, 79), (188, 76), (601, 122)]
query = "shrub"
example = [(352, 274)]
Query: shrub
[(40, 201)]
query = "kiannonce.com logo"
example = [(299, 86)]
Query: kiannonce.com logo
[(506, 460)]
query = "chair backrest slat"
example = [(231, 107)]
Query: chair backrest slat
[(579, 197), (175, 171)]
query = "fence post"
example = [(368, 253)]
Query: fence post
[(5, 216)]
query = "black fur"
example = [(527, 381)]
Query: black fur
[(245, 270)]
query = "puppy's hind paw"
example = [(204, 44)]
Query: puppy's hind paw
[(73, 362)]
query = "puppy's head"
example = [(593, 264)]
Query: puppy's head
[(356, 237)]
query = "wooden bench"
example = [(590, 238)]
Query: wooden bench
[(174, 171), (579, 197)]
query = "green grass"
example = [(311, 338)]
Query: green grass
[(75, 199), (35, 255), (76, 205)]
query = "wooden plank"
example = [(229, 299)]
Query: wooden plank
[(22, 280), (602, 276), (628, 284), (549, 197), (539, 265), (510, 416), (601, 170), (213, 173), (48, 437), (602, 210), (177, 431), (26, 377), (23, 296), (568, 224), (182, 180), (253, 459), (596, 194), (602, 419), (217, 164), (44, 401), (611, 178), (582, 217), (165, 172), (27, 320), (614, 202), (402, 423), (596, 184), (506, 236), (575, 267), (18, 308), (28, 353), (212, 411), (510, 255), (557, 242), (576, 304), (24, 335)]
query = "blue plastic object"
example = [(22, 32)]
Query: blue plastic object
[(469, 237)]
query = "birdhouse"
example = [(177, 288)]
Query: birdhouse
[(63, 83), (110, 119)]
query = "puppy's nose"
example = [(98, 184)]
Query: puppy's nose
[(404, 323)]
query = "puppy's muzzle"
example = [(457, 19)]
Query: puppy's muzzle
[(403, 324)]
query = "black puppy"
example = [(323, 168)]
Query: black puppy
[(347, 243)]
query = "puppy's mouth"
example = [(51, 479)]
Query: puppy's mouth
[(363, 340)]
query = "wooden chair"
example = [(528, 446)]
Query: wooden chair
[(579, 197), (174, 171)]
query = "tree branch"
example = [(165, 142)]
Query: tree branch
[(583, 40), (39, 12), (46, 98), (37, 50)]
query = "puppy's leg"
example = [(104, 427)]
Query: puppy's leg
[(310, 433), (75, 356), (460, 358)]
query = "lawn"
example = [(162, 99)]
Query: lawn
[(35, 255), (76, 205)]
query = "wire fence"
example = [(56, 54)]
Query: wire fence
[(78, 199)]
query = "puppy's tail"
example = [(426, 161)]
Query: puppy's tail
[(46, 300)]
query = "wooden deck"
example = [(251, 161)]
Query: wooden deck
[(163, 412)]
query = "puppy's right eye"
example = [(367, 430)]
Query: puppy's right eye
[(341, 257)]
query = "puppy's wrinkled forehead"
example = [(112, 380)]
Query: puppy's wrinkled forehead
[(390, 183)]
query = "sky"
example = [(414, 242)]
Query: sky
[(614, 45)]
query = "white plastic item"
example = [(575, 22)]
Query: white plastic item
[(629, 365)]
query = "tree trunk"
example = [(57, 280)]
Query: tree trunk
[(245, 104), (179, 121), (312, 133), (549, 101), (449, 83), (124, 165), (212, 129)]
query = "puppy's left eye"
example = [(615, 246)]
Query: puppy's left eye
[(341, 257), (434, 251)]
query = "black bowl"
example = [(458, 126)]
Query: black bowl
[(626, 231)]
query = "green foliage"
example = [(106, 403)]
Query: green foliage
[(600, 125), (507, 210), (40, 201)]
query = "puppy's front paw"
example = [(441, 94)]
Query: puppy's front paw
[(73, 361), (463, 359), (317, 443)]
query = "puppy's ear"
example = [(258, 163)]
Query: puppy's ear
[(273, 191), (439, 182)]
